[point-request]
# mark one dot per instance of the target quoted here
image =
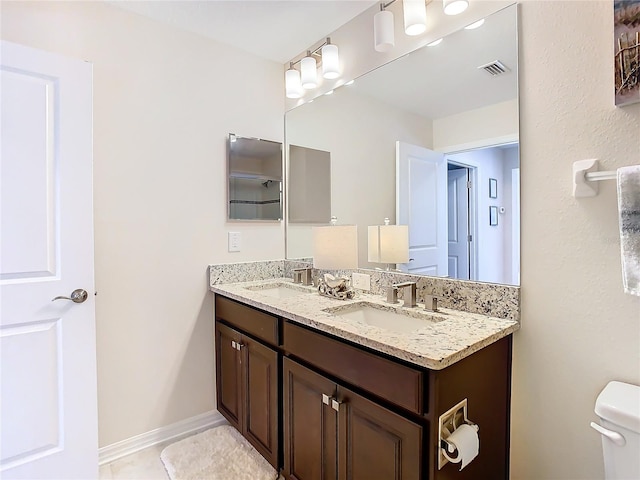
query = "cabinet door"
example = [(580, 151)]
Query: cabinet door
[(260, 419), (310, 425), (228, 375), (374, 442)]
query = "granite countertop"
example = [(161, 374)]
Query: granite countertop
[(446, 337)]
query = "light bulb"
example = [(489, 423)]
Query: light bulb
[(330, 62), (293, 86), (383, 31), (308, 71), (454, 7), (415, 17)]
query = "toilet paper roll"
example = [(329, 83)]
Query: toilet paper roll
[(465, 439)]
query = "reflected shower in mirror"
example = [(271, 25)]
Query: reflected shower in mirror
[(417, 141), (255, 179)]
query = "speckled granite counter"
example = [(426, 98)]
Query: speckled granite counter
[(446, 337)]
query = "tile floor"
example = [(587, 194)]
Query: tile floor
[(143, 465)]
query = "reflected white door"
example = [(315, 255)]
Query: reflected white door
[(421, 203), (458, 222), (48, 415)]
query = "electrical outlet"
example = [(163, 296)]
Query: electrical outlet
[(361, 281), (235, 241)]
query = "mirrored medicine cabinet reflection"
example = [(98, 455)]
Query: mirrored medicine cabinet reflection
[(254, 179), (420, 140)]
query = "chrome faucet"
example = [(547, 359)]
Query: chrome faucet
[(303, 276), (408, 293)]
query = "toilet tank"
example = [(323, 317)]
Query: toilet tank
[(618, 407)]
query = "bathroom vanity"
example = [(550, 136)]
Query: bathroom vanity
[(322, 394)]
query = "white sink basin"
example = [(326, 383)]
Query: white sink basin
[(280, 290), (387, 318)]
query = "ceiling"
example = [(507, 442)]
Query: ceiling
[(275, 30)]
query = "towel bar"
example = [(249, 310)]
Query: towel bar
[(586, 176)]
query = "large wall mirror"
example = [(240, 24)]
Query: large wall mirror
[(429, 140)]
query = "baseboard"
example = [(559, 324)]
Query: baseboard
[(174, 431)]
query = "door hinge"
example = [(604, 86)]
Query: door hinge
[(468, 184), (469, 238)]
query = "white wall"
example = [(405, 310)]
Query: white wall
[(360, 133), (492, 125), (579, 331), (164, 102)]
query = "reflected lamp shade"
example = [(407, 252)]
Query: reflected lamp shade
[(308, 73), (330, 62), (388, 244), (415, 17), (454, 7), (383, 31), (335, 247), (292, 83)]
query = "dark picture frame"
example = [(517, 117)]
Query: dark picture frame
[(493, 188), (493, 216)]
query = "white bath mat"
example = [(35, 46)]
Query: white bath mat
[(217, 454)]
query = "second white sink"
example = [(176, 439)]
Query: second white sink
[(387, 318)]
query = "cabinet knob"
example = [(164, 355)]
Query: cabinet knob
[(335, 404), (236, 345), (325, 398)]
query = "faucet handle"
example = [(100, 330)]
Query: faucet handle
[(392, 294), (431, 303)]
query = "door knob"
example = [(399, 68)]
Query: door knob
[(77, 296)]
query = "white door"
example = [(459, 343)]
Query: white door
[(421, 203), (48, 413), (458, 222)]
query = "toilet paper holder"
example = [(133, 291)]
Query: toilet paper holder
[(447, 424)]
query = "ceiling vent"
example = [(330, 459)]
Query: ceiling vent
[(495, 68)]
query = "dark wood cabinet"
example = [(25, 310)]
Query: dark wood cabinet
[(247, 389), (322, 408), (310, 424), (332, 433)]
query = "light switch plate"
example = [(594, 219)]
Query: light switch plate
[(361, 281), (235, 241)]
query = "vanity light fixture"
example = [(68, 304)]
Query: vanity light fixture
[(307, 76), (293, 85), (475, 25), (454, 7), (308, 71), (383, 31)]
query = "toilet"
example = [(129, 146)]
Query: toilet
[(618, 407)]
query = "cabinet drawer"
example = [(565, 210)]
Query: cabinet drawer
[(399, 384), (248, 320)]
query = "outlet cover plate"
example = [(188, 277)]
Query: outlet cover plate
[(361, 281)]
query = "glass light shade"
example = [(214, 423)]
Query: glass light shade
[(454, 7), (415, 17), (308, 70), (293, 86), (330, 62), (383, 31), (388, 244), (335, 247)]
